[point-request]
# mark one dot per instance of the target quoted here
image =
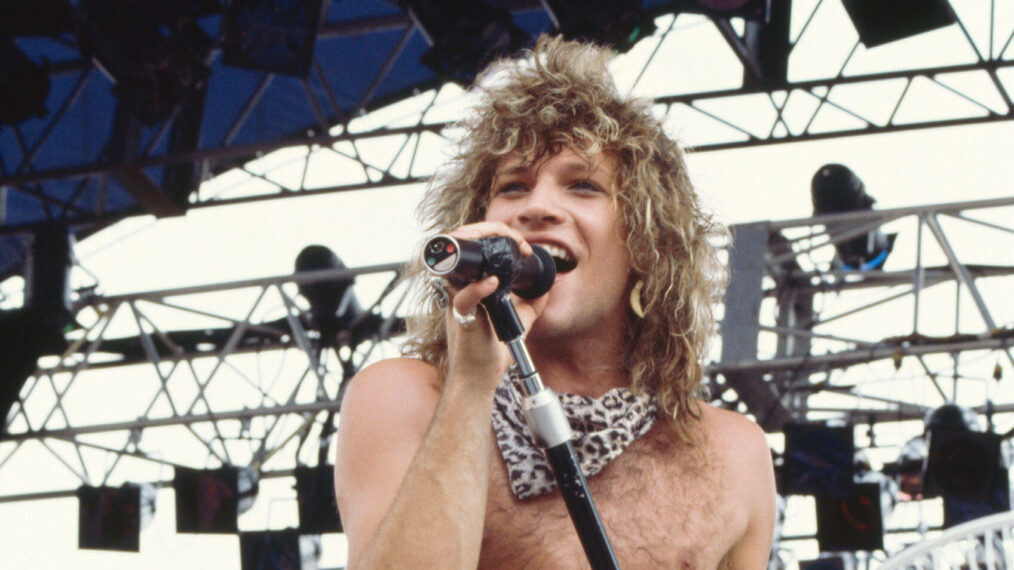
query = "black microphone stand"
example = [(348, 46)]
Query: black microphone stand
[(548, 423)]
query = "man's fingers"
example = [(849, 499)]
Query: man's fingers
[(485, 229)]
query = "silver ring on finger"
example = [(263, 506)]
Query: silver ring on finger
[(464, 321)]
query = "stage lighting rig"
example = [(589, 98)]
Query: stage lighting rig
[(616, 24), (210, 500), (111, 518), (278, 550), (333, 303), (277, 36), (156, 59), (24, 85), (464, 35), (879, 22), (835, 189)]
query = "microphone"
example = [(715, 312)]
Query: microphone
[(464, 261)]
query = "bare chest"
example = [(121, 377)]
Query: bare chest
[(659, 511)]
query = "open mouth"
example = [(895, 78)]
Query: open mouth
[(562, 258)]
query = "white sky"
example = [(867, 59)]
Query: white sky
[(378, 226)]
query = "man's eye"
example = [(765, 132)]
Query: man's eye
[(511, 187), (586, 185)]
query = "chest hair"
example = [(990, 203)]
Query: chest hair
[(662, 506)]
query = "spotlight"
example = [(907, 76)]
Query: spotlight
[(24, 85), (879, 22), (851, 523), (156, 60), (209, 501), (276, 36), (318, 512), (333, 304), (829, 562), (616, 24), (818, 460), (278, 550), (110, 518), (836, 189), (464, 34)]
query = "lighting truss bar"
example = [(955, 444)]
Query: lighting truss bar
[(693, 100), (246, 413), (845, 359)]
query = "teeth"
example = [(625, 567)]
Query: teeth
[(557, 252)]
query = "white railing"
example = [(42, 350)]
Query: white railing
[(986, 543)]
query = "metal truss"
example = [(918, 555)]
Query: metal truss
[(804, 337), (236, 374), (965, 75)]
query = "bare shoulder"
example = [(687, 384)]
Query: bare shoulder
[(743, 452), (734, 435), (408, 386)]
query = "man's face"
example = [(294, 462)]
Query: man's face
[(566, 204)]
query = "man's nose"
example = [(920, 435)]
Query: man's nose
[(542, 206)]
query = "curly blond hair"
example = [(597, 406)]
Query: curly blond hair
[(562, 95)]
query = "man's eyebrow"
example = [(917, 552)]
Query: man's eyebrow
[(572, 165)]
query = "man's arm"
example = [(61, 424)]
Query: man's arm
[(412, 468), (754, 479)]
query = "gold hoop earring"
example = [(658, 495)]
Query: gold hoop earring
[(635, 299)]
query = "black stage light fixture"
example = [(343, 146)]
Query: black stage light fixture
[(759, 10), (836, 189), (818, 460), (209, 501), (824, 563), (277, 36), (962, 465), (616, 24), (464, 35), (24, 85), (958, 510), (278, 550), (36, 17), (879, 21), (155, 65), (853, 522), (333, 303), (318, 512), (109, 518)]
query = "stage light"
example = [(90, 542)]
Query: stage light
[(277, 36), (333, 303), (963, 461), (38, 328), (318, 512), (617, 24), (24, 85), (278, 550), (835, 189), (818, 460), (855, 522), (879, 22), (828, 562), (156, 59), (110, 518), (464, 35), (209, 501)]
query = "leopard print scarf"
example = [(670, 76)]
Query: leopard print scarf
[(603, 428)]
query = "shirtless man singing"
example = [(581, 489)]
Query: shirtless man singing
[(435, 467)]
